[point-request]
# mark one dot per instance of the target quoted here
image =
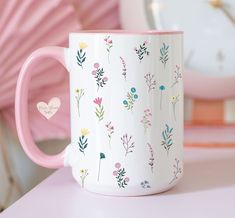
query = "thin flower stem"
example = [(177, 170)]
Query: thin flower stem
[(108, 57), (174, 110), (98, 178)]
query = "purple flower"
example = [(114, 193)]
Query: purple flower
[(96, 65), (117, 165), (105, 79), (127, 179)]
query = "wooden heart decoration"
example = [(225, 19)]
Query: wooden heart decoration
[(50, 109)]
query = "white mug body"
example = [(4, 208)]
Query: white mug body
[(126, 102)]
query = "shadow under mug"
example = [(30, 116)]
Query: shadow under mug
[(126, 100)]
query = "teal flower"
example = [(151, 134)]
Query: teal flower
[(131, 98), (125, 102), (133, 90), (162, 87)]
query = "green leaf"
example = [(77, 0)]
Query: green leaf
[(167, 128), (83, 59), (163, 135), (83, 55), (85, 141), (78, 54), (169, 141), (102, 155)]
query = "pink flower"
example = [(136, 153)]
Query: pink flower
[(98, 101), (115, 173), (105, 39), (110, 41), (127, 179), (93, 72), (105, 79), (117, 165), (96, 65), (146, 42)]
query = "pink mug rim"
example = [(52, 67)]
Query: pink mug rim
[(130, 32)]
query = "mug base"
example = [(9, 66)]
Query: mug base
[(130, 192)]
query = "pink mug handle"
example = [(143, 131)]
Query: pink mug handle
[(21, 107)]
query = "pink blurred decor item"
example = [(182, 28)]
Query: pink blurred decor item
[(28, 25)]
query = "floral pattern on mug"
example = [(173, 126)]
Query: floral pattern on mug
[(151, 158), (99, 110), (127, 143), (131, 98), (146, 119), (101, 156), (78, 96), (124, 70), (110, 130), (150, 81), (83, 140), (177, 171), (142, 50), (162, 88), (109, 45), (83, 175), (98, 74), (174, 100), (177, 76), (81, 54), (164, 53), (145, 184), (120, 175), (167, 141)]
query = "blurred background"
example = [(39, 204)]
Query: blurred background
[(209, 27)]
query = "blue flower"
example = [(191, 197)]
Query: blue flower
[(133, 90), (162, 87), (125, 102), (135, 96)]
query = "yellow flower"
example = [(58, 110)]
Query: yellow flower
[(77, 90), (82, 171), (84, 131), (175, 98), (82, 45)]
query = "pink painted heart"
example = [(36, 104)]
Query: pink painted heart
[(50, 109)]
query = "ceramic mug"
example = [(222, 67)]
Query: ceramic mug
[(126, 100)]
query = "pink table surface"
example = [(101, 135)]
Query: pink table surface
[(206, 190)]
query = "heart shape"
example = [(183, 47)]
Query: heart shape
[(50, 109)]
